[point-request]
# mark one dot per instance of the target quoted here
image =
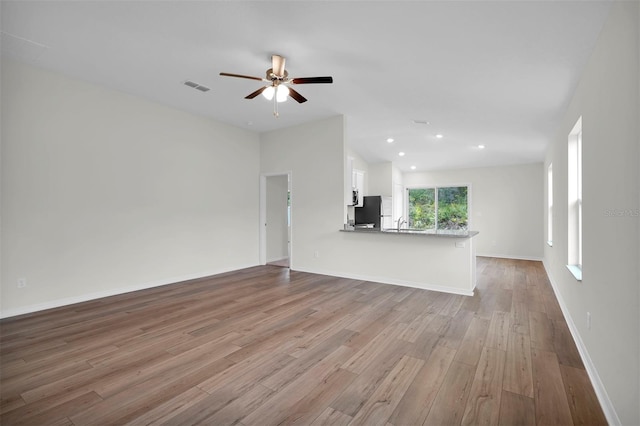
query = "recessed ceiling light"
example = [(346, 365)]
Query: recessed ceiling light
[(401, 154), (420, 122), (413, 167), (439, 136), (389, 140), (481, 147)]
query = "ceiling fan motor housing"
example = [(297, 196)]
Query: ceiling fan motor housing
[(273, 77)]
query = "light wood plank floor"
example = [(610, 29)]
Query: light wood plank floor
[(269, 346)]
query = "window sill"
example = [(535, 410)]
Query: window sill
[(576, 271), (550, 243)]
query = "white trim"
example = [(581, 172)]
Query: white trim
[(574, 197), (576, 271), (114, 292), (550, 204), (505, 256), (598, 386), (391, 281)]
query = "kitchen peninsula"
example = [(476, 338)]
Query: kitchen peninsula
[(418, 232), (443, 260)]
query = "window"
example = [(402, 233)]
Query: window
[(550, 205), (438, 208), (574, 174)]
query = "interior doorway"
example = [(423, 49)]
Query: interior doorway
[(275, 236)]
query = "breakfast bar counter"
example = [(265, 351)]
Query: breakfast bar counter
[(442, 260), (446, 233)]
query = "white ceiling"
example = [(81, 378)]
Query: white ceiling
[(497, 73)]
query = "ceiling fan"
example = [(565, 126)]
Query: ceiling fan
[(279, 87)]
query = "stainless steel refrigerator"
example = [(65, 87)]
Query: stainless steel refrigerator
[(376, 210)]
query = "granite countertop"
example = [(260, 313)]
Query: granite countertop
[(414, 232)]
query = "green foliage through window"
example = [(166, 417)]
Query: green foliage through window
[(449, 207), (422, 203)]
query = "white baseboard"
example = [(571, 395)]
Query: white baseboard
[(504, 256), (392, 281), (112, 292), (598, 386)]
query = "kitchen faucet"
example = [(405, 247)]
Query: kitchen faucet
[(400, 222)]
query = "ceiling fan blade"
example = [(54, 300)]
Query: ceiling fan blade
[(256, 93), (297, 96), (277, 63), (226, 74), (312, 80)]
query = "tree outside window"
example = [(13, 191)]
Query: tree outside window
[(422, 208), (448, 210)]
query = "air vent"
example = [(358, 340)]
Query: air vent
[(196, 86)]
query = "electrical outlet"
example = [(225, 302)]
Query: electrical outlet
[(22, 282), (588, 320), (460, 244), (316, 254)]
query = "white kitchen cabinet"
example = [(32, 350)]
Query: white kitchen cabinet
[(357, 183)]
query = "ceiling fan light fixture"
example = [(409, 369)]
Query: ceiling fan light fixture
[(269, 92), (282, 92)]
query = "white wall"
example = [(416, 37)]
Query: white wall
[(381, 179), (103, 192), (607, 99), (277, 227), (315, 155), (506, 206)]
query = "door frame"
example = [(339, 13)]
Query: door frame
[(263, 216)]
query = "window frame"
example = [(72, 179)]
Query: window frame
[(550, 205), (574, 200)]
